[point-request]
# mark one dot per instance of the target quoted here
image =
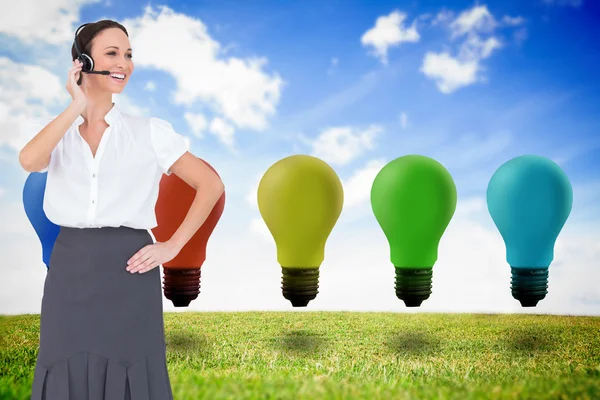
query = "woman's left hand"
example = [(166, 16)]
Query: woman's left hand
[(151, 256)]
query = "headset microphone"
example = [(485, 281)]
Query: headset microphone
[(97, 72)]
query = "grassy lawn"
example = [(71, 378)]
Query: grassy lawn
[(349, 355)]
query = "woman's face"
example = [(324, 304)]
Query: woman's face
[(112, 52)]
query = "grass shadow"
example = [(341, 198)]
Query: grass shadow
[(184, 343), (485, 316), (300, 342), (529, 340), (414, 343)]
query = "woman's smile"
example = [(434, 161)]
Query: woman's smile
[(116, 80)]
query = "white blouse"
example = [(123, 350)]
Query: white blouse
[(117, 187)]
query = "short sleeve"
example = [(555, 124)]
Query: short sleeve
[(168, 145), (33, 127)]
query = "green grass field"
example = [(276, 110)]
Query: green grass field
[(348, 355)]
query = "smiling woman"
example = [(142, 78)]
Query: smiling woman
[(101, 323), (99, 44)]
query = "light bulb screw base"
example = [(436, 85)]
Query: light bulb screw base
[(529, 285), (413, 285), (181, 286), (300, 285)]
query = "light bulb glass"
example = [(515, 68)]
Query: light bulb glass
[(182, 274), (300, 199), (529, 199), (413, 198), (33, 202)]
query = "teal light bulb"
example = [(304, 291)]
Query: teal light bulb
[(529, 198)]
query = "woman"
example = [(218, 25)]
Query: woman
[(101, 327)]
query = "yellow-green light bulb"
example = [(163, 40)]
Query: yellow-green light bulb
[(300, 199)]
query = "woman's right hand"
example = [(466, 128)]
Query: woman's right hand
[(72, 87)]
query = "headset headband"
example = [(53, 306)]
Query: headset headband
[(86, 61)]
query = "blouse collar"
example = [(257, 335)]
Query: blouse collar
[(110, 117)]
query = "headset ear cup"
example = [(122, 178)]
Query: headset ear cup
[(88, 63)]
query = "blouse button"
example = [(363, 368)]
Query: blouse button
[(93, 175)]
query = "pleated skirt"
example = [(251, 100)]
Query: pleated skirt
[(101, 327)]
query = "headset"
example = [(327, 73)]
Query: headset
[(86, 61)]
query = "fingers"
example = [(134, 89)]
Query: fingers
[(75, 70), (142, 265), (77, 66), (74, 74)]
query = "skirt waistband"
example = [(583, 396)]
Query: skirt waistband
[(68, 231)]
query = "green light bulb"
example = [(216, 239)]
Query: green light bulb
[(300, 199), (413, 198)]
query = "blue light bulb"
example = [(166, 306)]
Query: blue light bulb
[(529, 198), (33, 202)]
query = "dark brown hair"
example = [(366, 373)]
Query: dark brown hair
[(88, 33)]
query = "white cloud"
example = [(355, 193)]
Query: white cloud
[(150, 86), (403, 120), (586, 197), (21, 81), (454, 72), (340, 145), (477, 19), (442, 17), (508, 20), (470, 208), (476, 49), (197, 122), (448, 72), (237, 90), (357, 189), (252, 196), (389, 31), (259, 227), (224, 131), (27, 93), (51, 21)]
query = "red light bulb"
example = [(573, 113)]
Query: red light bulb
[(182, 273)]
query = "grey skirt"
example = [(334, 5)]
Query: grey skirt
[(101, 327)]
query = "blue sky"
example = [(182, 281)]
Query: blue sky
[(471, 84)]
